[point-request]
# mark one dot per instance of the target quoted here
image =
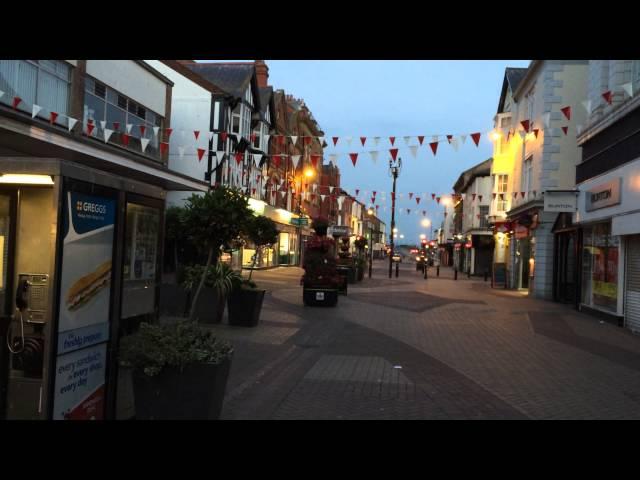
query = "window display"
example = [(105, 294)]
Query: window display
[(600, 267)]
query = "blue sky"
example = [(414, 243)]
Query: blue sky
[(397, 98)]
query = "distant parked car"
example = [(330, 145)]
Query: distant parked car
[(420, 260), (397, 258)]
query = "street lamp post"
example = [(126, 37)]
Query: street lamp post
[(394, 171)]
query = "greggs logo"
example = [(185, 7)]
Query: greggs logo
[(91, 207)]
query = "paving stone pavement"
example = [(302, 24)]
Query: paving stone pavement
[(465, 351)]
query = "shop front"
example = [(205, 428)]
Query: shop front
[(81, 251), (565, 260)]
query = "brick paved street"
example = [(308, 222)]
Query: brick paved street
[(411, 348)]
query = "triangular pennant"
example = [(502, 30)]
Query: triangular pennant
[(424, 213), (522, 194), (438, 200), (283, 193), (433, 196), (608, 96), (331, 189), (155, 131), (394, 153), (143, 143), (103, 124), (53, 116), (314, 187), (72, 123), (335, 140), (314, 160), (476, 138), (107, 134), (628, 87), (295, 159), (417, 200), (463, 138), (257, 157), (536, 131), (16, 102), (90, 127), (392, 140), (167, 132), (565, 129), (125, 139), (322, 196), (129, 127), (376, 141), (374, 156), (420, 139), (144, 129), (223, 136), (480, 197), (473, 197), (307, 140), (449, 137), (35, 110), (164, 146), (363, 140), (525, 125), (454, 144), (587, 106), (196, 133), (239, 158), (494, 195), (354, 158), (579, 129), (276, 160), (567, 112), (406, 140), (294, 139), (357, 192), (321, 140), (414, 151), (348, 139), (434, 147)]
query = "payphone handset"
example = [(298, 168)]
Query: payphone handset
[(31, 301)]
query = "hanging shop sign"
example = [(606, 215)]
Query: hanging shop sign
[(560, 201), (604, 195), (339, 231), (502, 227), (85, 288)]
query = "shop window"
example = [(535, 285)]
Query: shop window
[(600, 268), (41, 82), (140, 260)]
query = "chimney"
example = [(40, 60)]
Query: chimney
[(262, 73)]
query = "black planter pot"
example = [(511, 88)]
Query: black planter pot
[(344, 280), (196, 393), (245, 306), (174, 300), (353, 277), (320, 297), (210, 306), (360, 273)]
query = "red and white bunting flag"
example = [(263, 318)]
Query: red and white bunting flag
[(587, 106), (223, 136), (72, 123), (314, 187), (294, 139), (449, 137), (536, 131), (525, 125), (125, 139), (433, 196), (53, 116), (116, 126), (374, 156), (417, 200), (107, 134), (201, 152), (392, 140), (438, 200), (373, 199), (333, 158), (473, 197), (480, 197), (420, 139), (335, 140), (522, 194), (16, 102), (143, 129), (414, 151), (164, 146), (322, 196), (546, 118), (357, 191), (314, 160), (354, 158), (454, 144), (35, 110), (494, 195), (257, 158), (565, 129), (363, 140), (424, 213), (463, 138), (321, 140), (410, 195), (129, 127), (331, 189), (434, 147), (307, 140), (476, 138), (239, 157), (408, 211), (515, 194), (167, 132), (608, 96), (628, 88), (406, 139), (376, 141), (283, 193), (394, 153), (103, 124), (295, 159), (276, 160), (567, 112), (348, 140), (143, 143), (90, 127)]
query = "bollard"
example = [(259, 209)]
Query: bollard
[(438, 271), (469, 273), (425, 272), (486, 275), (455, 274), (397, 268)]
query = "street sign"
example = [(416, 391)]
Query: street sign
[(300, 222), (340, 231)]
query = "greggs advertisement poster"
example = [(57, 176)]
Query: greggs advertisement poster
[(85, 291)]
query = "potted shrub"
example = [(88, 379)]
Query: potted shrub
[(173, 297), (320, 280), (219, 281), (360, 244), (179, 371), (361, 265), (213, 220), (245, 300)]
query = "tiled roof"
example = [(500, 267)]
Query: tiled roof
[(515, 76), (232, 77)]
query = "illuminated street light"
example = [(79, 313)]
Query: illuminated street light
[(422, 236), (309, 173), (495, 136), (426, 222), (395, 230), (401, 236)]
